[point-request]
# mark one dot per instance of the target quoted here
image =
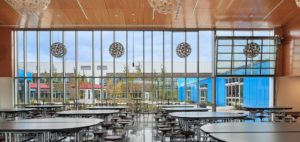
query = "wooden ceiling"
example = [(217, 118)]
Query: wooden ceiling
[(137, 14)]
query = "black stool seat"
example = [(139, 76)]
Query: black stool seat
[(122, 116), (173, 123), (187, 133), (280, 117), (100, 133), (162, 126), (115, 119), (113, 138), (164, 130), (106, 125), (123, 123)]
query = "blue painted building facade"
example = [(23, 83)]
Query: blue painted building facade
[(256, 90)]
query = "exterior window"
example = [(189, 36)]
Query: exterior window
[(203, 93), (234, 91)]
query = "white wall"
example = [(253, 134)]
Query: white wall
[(6, 92)]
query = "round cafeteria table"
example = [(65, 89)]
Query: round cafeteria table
[(45, 106), (108, 108), (256, 137), (206, 115), (273, 108), (48, 128), (81, 113), (14, 111), (171, 106), (186, 116), (265, 127), (184, 109)]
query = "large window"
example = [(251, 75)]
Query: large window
[(149, 69), (233, 60)]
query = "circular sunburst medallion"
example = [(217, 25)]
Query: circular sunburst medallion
[(183, 50), (251, 50), (116, 49), (58, 49)]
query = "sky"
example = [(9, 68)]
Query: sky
[(134, 47)]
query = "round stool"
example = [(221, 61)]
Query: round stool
[(122, 116), (164, 131), (106, 125), (113, 138), (114, 119), (100, 133)]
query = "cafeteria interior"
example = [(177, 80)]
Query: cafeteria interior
[(149, 70)]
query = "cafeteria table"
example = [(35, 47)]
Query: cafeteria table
[(265, 127), (256, 137), (185, 109), (46, 129), (203, 117), (84, 113), (45, 108), (171, 106), (270, 110), (14, 111), (108, 108), (273, 108), (207, 115)]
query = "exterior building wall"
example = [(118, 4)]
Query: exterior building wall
[(256, 90)]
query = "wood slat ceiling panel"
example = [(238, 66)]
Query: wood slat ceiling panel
[(137, 14)]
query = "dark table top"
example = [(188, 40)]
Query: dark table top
[(107, 107), (257, 137), (12, 110), (59, 120), (206, 115), (88, 112), (54, 124), (251, 127), (184, 109), (44, 106), (268, 108)]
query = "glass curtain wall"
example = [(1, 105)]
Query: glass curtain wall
[(149, 71)]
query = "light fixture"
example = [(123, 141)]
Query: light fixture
[(165, 6), (251, 50), (183, 50), (297, 3), (29, 6), (278, 39), (116, 49), (58, 49)]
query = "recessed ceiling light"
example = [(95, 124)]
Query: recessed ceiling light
[(116, 15)]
